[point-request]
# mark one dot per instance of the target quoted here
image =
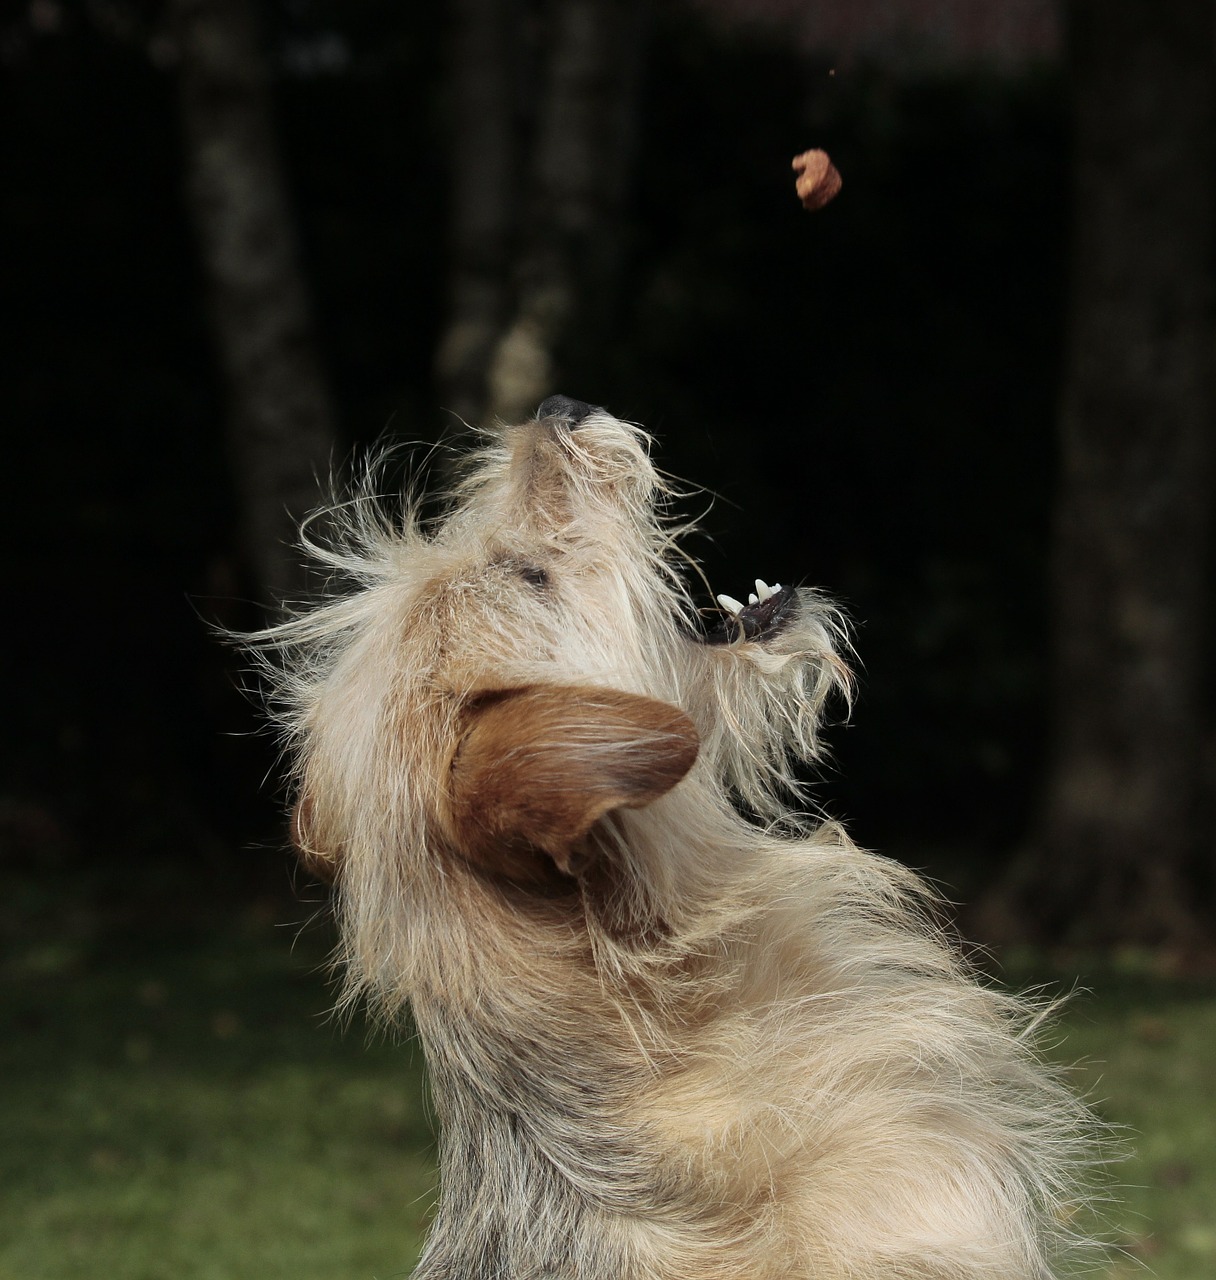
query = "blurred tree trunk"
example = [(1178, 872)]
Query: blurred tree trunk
[(1119, 850), (570, 249), (487, 45), (281, 420), (545, 127)]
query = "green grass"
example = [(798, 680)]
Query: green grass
[(190, 1112), (1148, 1047), (184, 1109)]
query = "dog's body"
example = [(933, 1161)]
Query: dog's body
[(666, 1040)]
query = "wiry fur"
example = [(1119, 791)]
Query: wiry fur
[(728, 1043)]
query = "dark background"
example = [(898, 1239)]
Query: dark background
[(870, 392)]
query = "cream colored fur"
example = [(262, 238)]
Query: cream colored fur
[(728, 1043)]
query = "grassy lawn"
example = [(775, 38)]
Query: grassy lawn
[(181, 1108), (189, 1111), (1148, 1047)]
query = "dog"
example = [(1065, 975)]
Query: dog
[(675, 1029)]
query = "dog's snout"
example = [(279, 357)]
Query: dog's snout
[(571, 412)]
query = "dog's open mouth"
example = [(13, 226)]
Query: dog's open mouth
[(768, 609)]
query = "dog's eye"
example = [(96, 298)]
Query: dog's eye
[(534, 575)]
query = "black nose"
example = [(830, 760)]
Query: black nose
[(572, 412)]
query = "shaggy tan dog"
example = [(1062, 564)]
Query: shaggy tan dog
[(675, 1031)]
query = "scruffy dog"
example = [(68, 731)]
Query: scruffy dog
[(674, 1031)]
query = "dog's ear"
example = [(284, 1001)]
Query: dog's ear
[(535, 768), (319, 862)]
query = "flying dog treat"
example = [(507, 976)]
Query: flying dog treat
[(818, 181)]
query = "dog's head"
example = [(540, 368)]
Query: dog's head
[(503, 680)]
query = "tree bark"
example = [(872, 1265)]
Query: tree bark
[(281, 420), (487, 46), (1117, 856), (570, 240)]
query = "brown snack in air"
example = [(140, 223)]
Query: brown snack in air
[(818, 181)]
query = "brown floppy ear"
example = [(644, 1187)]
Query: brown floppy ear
[(537, 767), (320, 863)]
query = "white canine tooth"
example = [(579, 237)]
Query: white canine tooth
[(761, 589), (753, 598), (730, 604)]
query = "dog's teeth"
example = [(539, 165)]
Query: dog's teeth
[(753, 598), (763, 590), (731, 605)]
